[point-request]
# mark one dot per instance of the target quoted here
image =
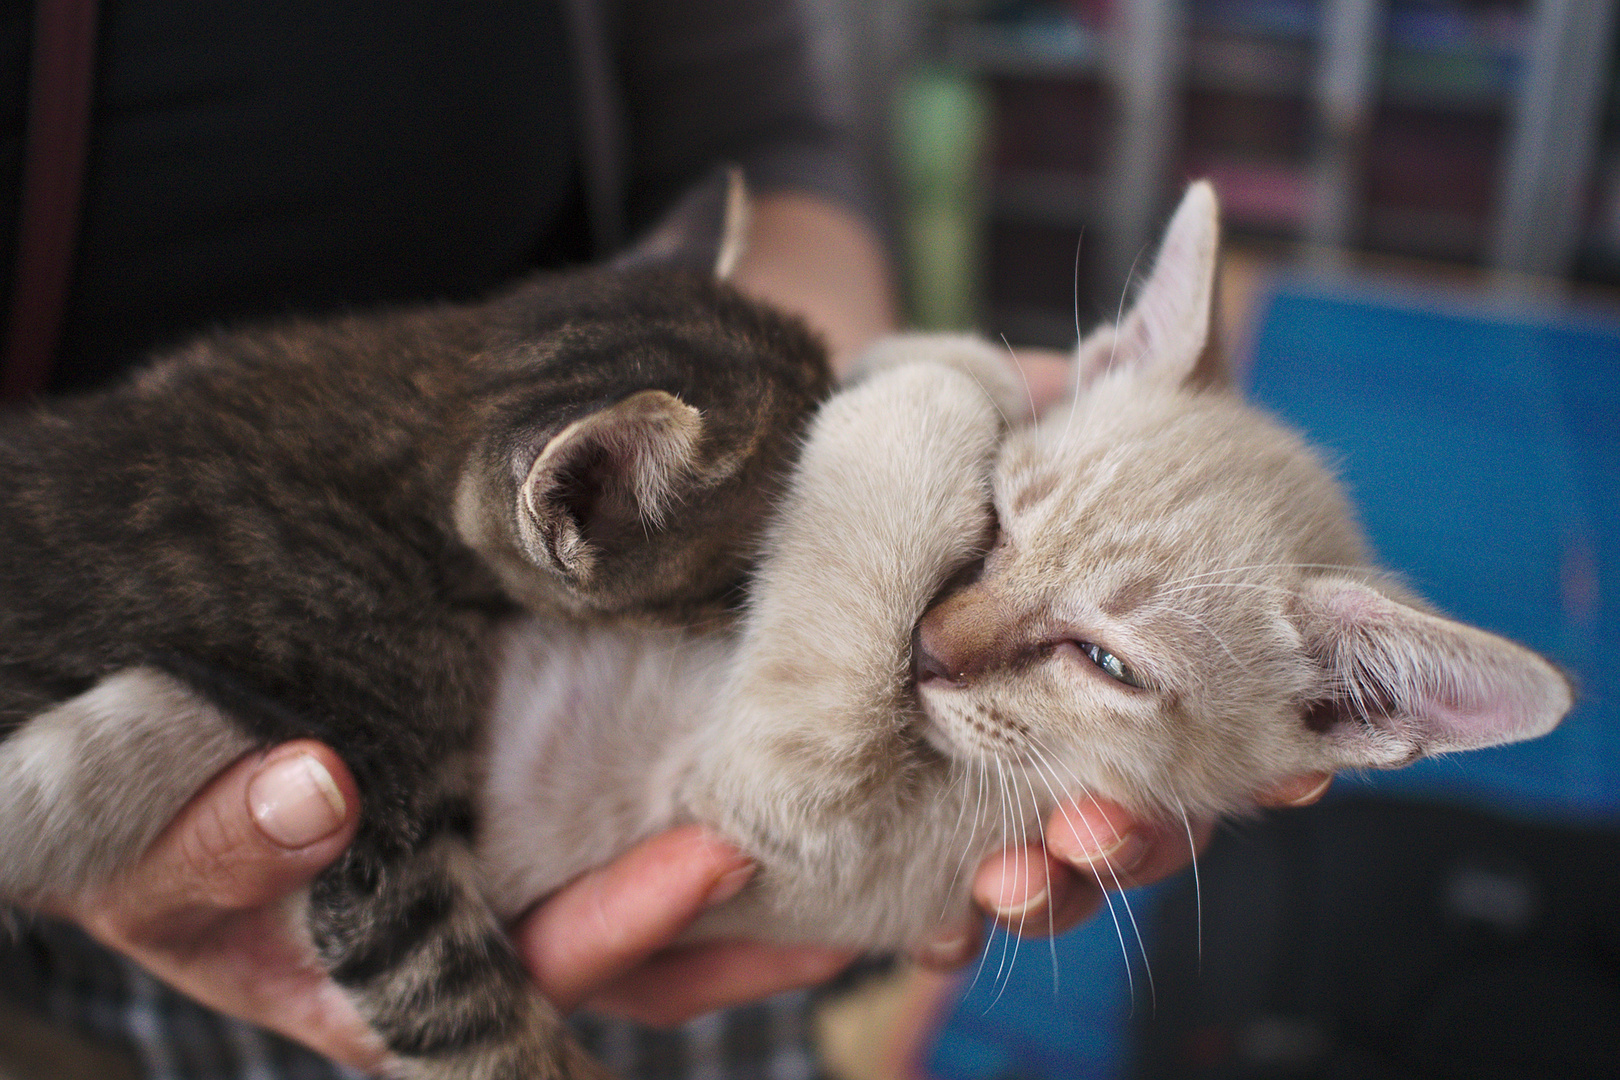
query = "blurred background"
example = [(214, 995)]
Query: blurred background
[(1422, 202), (1478, 136)]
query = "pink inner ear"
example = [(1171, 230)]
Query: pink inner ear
[(1490, 715), (1425, 684)]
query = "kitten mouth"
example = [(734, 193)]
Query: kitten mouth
[(932, 723)]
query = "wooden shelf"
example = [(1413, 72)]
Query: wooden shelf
[(1051, 49), (1454, 133)]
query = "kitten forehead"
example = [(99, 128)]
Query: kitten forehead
[(1144, 518), (1129, 596)]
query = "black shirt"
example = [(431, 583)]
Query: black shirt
[(253, 159)]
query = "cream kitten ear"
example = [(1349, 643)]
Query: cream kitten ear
[(605, 478), (707, 229), (1398, 683), (1166, 334)]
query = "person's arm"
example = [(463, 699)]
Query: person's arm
[(819, 260)]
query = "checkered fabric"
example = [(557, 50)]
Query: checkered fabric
[(58, 973)]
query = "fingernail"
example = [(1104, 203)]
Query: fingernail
[(296, 802), (1120, 855), (948, 952), (1006, 912), (1315, 794), (730, 884)]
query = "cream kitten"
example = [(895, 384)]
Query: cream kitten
[(1155, 594)]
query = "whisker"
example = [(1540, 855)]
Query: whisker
[(1265, 566), (1108, 900), (1021, 377), (984, 953), (1208, 630), (973, 832), (1136, 929), (1119, 316), (1198, 888), (1017, 935), (1078, 240), (1195, 586), (1046, 860), (1007, 817), (988, 394), (1130, 915)]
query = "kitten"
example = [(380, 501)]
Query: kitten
[(313, 530), (1155, 594)]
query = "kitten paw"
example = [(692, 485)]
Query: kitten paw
[(988, 365)]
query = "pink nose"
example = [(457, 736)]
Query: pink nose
[(967, 632), (925, 666)]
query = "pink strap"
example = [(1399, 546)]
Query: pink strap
[(53, 177)]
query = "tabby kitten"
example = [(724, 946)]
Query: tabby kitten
[(1154, 594), (312, 529)]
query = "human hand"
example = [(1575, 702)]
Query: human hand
[(633, 909), (1091, 847), (210, 909), (1046, 374)]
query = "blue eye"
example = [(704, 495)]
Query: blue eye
[(1112, 666)]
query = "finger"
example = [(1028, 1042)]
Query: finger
[(262, 828), (683, 983), (1105, 842), (613, 918), (1032, 893), (1046, 374), (202, 911), (1014, 884), (952, 946), (1296, 791)]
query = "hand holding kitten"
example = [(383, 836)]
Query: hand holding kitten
[(204, 910)]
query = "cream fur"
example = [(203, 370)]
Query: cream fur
[(1155, 516)]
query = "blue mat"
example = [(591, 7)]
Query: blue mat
[(1483, 447)]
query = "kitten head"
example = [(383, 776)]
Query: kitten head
[(634, 427), (1177, 605)]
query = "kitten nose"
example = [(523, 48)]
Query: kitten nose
[(965, 634), (924, 664)]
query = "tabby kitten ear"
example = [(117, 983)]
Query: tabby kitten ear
[(706, 230), (1166, 335), (605, 479), (1396, 683)]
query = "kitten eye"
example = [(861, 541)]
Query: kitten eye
[(1112, 666)]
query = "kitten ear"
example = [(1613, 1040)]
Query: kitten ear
[(1397, 683), (605, 478), (1166, 334), (707, 229)]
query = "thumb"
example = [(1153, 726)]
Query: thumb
[(262, 828)]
